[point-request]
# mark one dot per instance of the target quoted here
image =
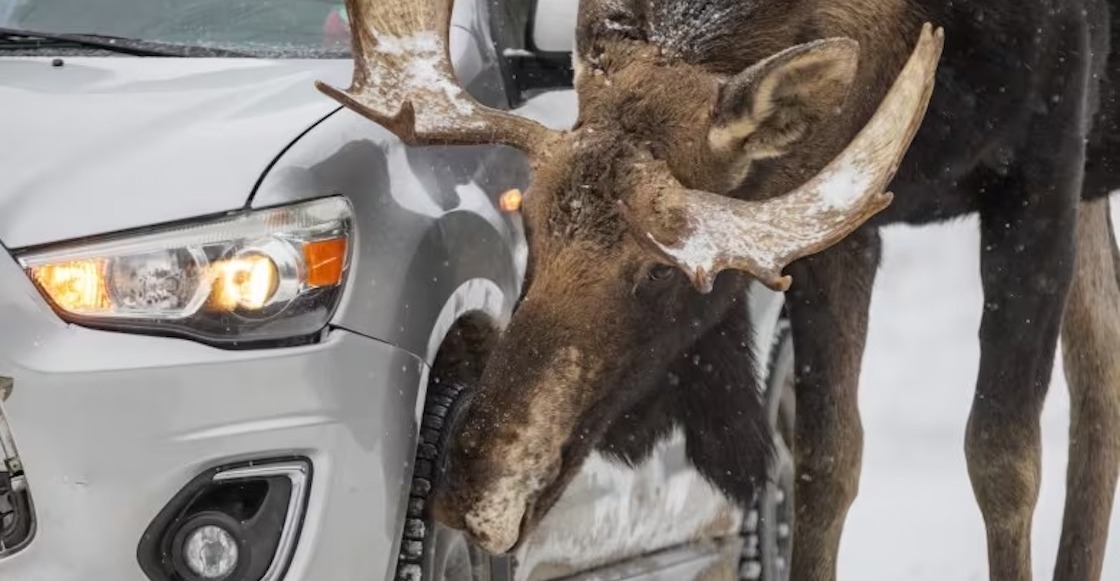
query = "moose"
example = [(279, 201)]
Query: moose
[(724, 141)]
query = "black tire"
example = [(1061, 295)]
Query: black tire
[(430, 552), (768, 525)]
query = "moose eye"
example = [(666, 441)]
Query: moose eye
[(660, 272)]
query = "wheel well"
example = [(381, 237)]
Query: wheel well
[(457, 367)]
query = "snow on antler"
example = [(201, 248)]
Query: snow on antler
[(404, 81)]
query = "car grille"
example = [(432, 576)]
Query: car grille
[(16, 514)]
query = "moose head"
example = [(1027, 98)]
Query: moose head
[(630, 217)]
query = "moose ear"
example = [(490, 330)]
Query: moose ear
[(765, 109)]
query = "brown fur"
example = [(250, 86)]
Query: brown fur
[(1090, 336), (1006, 137)]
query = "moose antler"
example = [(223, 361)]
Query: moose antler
[(403, 80), (708, 233)]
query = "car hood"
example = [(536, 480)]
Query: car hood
[(104, 144)]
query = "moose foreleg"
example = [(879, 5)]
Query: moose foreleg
[(1026, 266), (829, 304)]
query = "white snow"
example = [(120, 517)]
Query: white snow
[(845, 184), (423, 54), (915, 517), (717, 239), (680, 27), (417, 43)]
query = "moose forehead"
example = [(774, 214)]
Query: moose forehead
[(634, 87), (575, 197), (633, 111)]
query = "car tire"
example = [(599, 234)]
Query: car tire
[(429, 551), (768, 525)]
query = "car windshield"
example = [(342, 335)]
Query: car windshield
[(272, 28)]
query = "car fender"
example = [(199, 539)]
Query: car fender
[(430, 244)]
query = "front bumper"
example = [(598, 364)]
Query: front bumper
[(110, 426)]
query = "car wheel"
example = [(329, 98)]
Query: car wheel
[(768, 526), (431, 552)]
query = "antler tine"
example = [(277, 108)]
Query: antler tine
[(403, 80)]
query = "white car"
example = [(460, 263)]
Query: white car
[(224, 299)]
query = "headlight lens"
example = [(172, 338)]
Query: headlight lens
[(256, 276)]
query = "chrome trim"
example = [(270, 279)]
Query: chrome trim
[(297, 473), (11, 464)]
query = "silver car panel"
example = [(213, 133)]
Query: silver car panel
[(611, 514), (431, 244), (109, 426), (100, 144), (427, 227), (703, 560)]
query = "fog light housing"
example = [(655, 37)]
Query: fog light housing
[(238, 522), (207, 547)]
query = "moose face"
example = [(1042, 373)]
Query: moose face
[(628, 222), (599, 319)]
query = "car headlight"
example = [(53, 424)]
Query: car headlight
[(262, 275)]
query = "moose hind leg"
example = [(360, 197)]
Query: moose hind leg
[(1027, 226), (829, 304), (1091, 357)]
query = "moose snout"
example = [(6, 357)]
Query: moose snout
[(488, 488), (507, 446), (495, 521), (492, 515)]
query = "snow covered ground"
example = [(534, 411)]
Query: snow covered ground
[(915, 518)]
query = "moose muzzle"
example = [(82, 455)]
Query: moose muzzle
[(511, 443)]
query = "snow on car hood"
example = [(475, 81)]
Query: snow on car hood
[(103, 144)]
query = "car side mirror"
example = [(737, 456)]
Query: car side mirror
[(537, 55)]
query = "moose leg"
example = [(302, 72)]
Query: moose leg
[(1027, 224), (829, 303), (1026, 266), (1091, 354)]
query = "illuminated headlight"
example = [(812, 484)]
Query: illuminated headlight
[(264, 275)]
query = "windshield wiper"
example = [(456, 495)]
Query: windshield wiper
[(30, 39)]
